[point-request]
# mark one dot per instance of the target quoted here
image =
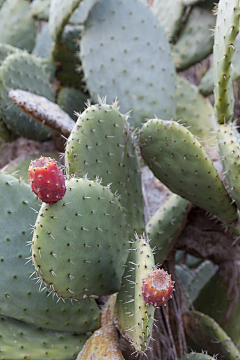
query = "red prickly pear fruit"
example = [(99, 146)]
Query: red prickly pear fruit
[(157, 288), (47, 180)]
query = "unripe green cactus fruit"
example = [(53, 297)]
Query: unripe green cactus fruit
[(177, 158), (80, 244)]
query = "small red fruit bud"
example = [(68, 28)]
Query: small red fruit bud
[(157, 288), (47, 180)]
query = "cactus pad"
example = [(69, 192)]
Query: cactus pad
[(197, 113), (17, 215), (23, 71), (72, 100), (173, 151), (196, 39), (80, 243), (165, 225), (230, 152), (227, 26), (202, 330), (102, 145), (135, 318), (22, 341), (59, 13), (125, 54), (17, 27)]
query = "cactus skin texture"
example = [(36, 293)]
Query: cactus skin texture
[(134, 316), (157, 288), (20, 340), (166, 224), (47, 180), (226, 31), (197, 356), (80, 243), (177, 159), (113, 48), (202, 329), (102, 145), (229, 151)]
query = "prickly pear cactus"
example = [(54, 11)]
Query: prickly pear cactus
[(197, 356), (23, 71), (102, 145), (19, 281), (64, 53), (166, 224), (80, 243), (196, 39), (197, 113), (135, 318), (225, 34), (230, 153), (125, 54), (17, 27), (59, 13), (169, 14), (202, 329), (21, 341), (171, 150), (71, 101)]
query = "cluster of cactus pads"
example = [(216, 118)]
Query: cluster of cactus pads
[(92, 282)]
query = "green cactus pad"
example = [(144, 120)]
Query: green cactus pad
[(177, 159), (40, 9), (227, 26), (197, 356), (102, 145), (24, 341), (17, 215), (23, 71), (44, 43), (80, 243), (59, 14), (72, 100), (125, 54), (206, 85), (103, 344), (208, 335), (229, 151), (196, 39), (135, 318), (64, 53), (195, 280), (17, 27), (80, 15), (169, 14), (197, 113), (6, 50), (166, 224), (214, 300)]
